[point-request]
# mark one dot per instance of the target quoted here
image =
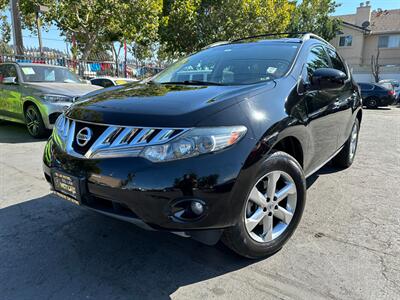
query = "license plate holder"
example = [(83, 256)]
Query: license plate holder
[(67, 185)]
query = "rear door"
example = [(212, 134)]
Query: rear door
[(321, 109)]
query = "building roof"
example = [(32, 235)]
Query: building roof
[(382, 21)]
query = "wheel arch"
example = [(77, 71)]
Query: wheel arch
[(292, 146)]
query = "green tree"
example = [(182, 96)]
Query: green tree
[(189, 25), (5, 29), (313, 16)]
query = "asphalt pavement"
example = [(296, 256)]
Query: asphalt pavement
[(347, 245)]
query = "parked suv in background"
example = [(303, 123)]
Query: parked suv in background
[(36, 94), (218, 145), (375, 95)]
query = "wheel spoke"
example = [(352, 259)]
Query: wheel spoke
[(254, 220), (284, 215), (29, 116), (257, 197), (267, 228), (272, 180), (288, 189)]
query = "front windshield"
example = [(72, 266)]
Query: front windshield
[(232, 64), (43, 73)]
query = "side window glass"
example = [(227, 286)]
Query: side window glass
[(316, 59), (107, 83), (336, 61)]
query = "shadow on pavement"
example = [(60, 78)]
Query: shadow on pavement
[(14, 133), (325, 170), (52, 249)]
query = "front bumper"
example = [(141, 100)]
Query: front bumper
[(137, 189)]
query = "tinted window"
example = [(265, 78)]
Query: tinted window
[(336, 61), (106, 83), (102, 82), (233, 64), (316, 59)]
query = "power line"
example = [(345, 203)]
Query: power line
[(49, 39)]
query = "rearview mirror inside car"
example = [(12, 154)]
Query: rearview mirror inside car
[(327, 78)]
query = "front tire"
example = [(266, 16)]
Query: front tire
[(34, 122), (345, 157), (272, 210)]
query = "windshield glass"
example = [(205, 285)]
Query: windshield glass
[(232, 64), (41, 73)]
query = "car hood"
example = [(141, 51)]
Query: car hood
[(66, 89), (159, 104)]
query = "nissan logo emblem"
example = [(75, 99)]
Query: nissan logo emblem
[(83, 137)]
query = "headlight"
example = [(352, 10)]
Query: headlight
[(195, 142), (56, 98)]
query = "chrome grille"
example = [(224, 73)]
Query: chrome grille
[(111, 139)]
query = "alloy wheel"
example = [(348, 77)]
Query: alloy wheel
[(32, 121), (270, 206), (372, 103)]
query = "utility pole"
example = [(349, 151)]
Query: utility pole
[(16, 28)]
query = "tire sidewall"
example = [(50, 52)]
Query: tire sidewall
[(277, 161)]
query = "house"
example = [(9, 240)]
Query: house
[(365, 33)]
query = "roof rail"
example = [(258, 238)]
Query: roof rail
[(268, 34), (216, 44), (309, 35)]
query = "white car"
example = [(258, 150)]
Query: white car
[(110, 81)]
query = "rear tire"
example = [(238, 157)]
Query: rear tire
[(34, 122), (371, 103), (279, 209), (345, 157)]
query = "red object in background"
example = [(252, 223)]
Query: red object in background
[(391, 93), (1, 78)]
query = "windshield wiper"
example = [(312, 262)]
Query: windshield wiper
[(192, 82)]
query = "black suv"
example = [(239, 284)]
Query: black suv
[(217, 146)]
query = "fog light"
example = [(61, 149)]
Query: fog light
[(197, 207)]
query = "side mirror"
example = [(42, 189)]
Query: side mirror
[(327, 78), (9, 80)]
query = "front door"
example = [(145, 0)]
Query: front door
[(322, 109)]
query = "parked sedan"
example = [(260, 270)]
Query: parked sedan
[(375, 95), (392, 84), (36, 94)]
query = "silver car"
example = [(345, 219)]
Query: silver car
[(36, 94)]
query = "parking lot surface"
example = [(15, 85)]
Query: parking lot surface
[(346, 247)]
